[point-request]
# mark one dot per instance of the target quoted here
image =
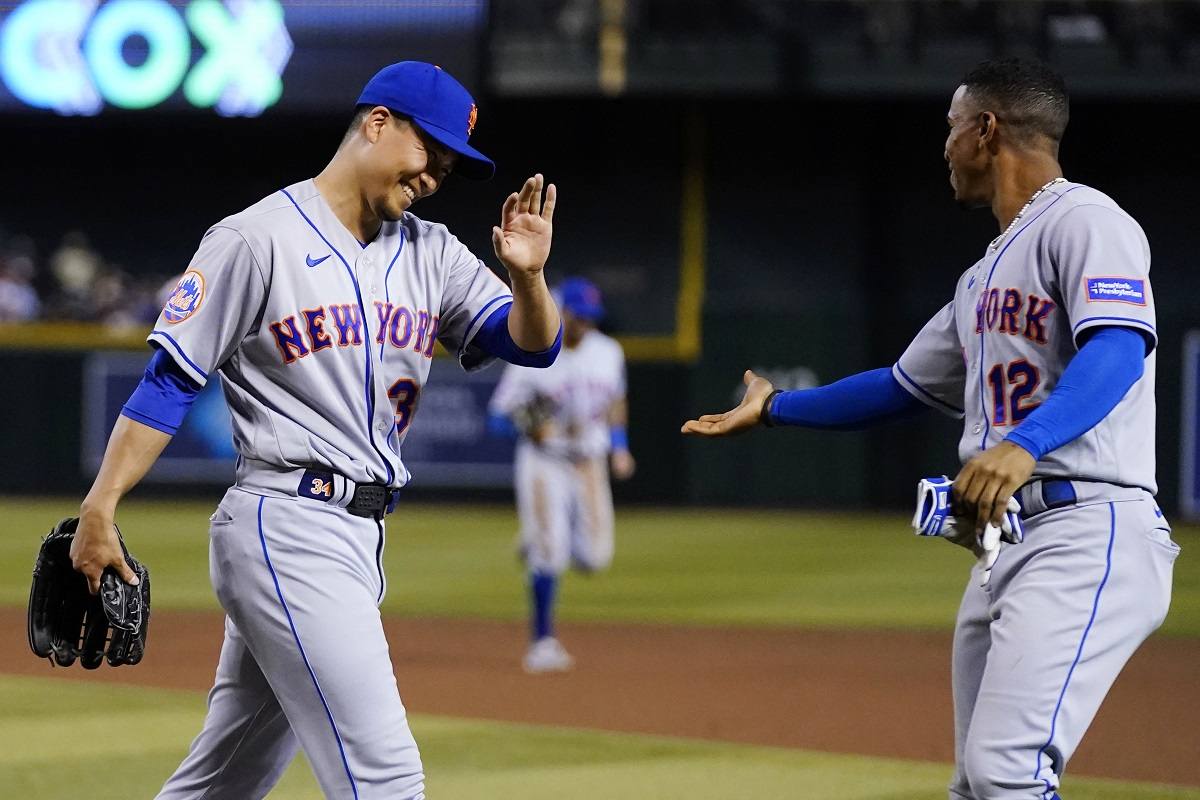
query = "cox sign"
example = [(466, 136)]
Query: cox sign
[(73, 56)]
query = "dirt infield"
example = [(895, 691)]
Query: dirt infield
[(874, 693)]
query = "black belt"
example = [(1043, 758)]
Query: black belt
[(368, 500), (372, 500)]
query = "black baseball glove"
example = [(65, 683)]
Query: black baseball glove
[(66, 622)]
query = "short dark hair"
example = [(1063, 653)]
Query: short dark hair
[(360, 111), (1027, 96)]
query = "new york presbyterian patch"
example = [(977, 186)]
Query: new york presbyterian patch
[(186, 299), (1116, 290)]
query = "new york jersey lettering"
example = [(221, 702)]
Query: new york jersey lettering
[(1005, 315), (401, 327)]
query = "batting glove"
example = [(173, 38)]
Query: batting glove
[(933, 518)]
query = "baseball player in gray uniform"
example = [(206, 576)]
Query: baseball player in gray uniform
[(1047, 353), (319, 307), (571, 421)]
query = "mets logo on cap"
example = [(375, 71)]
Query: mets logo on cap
[(186, 298), (472, 118)]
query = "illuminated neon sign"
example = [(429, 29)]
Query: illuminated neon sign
[(70, 56)]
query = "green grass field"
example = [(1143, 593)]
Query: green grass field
[(678, 566), (140, 735), (685, 566)]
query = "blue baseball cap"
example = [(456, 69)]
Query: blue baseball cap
[(440, 105), (582, 298)]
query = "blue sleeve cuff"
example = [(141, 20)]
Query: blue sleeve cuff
[(163, 397), (494, 339)]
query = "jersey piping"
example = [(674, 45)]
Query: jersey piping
[(925, 395), (199, 373)]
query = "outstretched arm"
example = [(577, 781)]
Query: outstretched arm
[(859, 401)]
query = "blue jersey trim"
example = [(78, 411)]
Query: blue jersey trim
[(179, 351), (987, 418), (387, 296), (379, 562), (468, 335), (278, 591), (1112, 532), (925, 393), (366, 340)]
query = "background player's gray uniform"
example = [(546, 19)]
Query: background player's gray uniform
[(323, 345), (1038, 647), (562, 482)]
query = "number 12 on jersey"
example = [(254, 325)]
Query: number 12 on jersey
[(1011, 388)]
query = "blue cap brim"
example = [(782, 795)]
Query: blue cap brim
[(471, 164)]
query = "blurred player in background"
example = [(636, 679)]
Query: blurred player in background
[(570, 419)]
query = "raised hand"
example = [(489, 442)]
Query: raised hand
[(522, 239), (743, 418)]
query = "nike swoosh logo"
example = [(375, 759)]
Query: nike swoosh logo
[(312, 262)]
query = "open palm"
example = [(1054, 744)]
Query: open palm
[(745, 416), (522, 240)]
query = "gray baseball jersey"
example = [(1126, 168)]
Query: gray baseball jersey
[(323, 345), (323, 342), (997, 350), (583, 383), (564, 500)]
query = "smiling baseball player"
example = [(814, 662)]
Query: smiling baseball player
[(1047, 353), (319, 307)]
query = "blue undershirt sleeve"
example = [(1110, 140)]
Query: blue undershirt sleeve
[(494, 339), (164, 396), (859, 401), (1095, 380)]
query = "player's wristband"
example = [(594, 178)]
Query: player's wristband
[(764, 414), (619, 437)]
